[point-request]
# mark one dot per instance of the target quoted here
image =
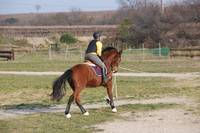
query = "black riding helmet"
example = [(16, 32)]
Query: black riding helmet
[(96, 35)]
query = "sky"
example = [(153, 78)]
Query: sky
[(29, 6)]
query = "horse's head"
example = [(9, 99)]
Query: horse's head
[(112, 58)]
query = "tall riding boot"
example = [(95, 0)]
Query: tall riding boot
[(104, 76)]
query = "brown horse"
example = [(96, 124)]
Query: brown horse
[(81, 76)]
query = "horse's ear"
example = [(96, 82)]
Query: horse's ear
[(120, 52)]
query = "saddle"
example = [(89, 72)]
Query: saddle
[(97, 70)]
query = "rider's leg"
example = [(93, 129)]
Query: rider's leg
[(104, 75), (94, 58)]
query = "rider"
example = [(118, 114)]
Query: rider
[(93, 54)]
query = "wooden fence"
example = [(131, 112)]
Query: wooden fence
[(8, 54), (189, 52)]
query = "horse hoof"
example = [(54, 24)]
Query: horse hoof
[(114, 110), (68, 116), (86, 114)]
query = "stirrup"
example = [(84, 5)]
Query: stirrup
[(104, 80)]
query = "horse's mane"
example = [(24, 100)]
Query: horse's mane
[(107, 52), (109, 48)]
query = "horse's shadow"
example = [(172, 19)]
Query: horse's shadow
[(24, 106)]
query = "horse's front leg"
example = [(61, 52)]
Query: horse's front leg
[(110, 95)]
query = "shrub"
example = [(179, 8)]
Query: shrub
[(68, 38)]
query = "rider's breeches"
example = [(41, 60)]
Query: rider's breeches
[(95, 59)]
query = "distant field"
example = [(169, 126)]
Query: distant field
[(45, 31), (27, 17)]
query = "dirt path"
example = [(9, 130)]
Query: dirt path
[(161, 121), (141, 74)]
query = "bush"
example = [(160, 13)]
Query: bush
[(68, 39), (11, 21)]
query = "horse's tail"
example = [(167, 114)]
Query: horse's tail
[(59, 84)]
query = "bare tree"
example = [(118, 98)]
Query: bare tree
[(149, 22), (38, 7)]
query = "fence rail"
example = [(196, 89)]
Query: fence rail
[(189, 52), (8, 54), (77, 54)]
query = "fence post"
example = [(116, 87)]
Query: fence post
[(12, 54), (66, 52), (159, 49), (143, 51), (50, 56), (81, 53), (114, 87)]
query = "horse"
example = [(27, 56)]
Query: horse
[(81, 76)]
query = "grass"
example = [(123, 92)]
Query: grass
[(148, 87), (27, 92), (56, 122), (39, 61), (165, 66), (25, 89), (18, 91)]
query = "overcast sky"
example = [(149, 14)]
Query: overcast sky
[(29, 6)]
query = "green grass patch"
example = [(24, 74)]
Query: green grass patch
[(145, 87), (37, 66), (16, 90), (146, 107), (164, 66), (26, 106), (10, 83)]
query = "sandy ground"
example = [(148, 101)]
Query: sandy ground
[(136, 74), (162, 121)]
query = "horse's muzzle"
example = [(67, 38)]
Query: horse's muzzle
[(114, 69)]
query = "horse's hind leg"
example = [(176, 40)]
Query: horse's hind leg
[(71, 99), (77, 100)]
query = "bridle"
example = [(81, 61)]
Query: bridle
[(114, 68)]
